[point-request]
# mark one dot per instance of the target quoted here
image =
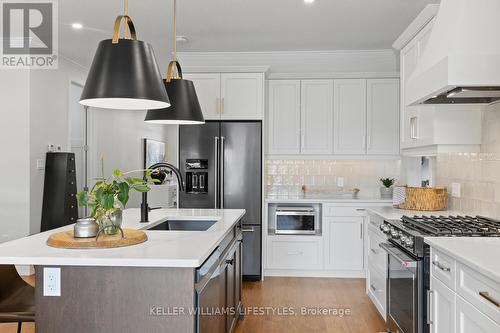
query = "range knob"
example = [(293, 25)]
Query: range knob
[(409, 242), (403, 239), (394, 233), (385, 228)]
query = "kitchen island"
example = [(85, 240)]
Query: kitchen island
[(177, 281)]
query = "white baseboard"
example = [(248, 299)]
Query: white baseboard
[(314, 273), (25, 270)]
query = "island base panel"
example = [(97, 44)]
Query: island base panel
[(117, 300)]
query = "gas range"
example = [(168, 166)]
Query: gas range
[(409, 232)]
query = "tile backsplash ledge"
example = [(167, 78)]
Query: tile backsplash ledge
[(286, 177)]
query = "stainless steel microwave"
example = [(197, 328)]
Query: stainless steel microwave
[(295, 220)]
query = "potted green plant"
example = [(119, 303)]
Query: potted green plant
[(109, 196), (386, 190)]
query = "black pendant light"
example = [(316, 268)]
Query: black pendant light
[(185, 108), (124, 73)]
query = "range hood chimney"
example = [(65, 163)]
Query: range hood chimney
[(461, 61)]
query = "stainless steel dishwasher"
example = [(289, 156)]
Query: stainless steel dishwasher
[(218, 288)]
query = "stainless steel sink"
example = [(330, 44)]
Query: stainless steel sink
[(184, 225)]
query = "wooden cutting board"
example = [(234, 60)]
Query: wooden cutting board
[(65, 240)]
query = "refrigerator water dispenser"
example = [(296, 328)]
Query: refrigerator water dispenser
[(196, 176)]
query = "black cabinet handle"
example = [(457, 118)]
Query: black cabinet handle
[(230, 261)]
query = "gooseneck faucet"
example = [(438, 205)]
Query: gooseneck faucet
[(144, 205)]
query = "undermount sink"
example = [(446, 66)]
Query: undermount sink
[(183, 225)]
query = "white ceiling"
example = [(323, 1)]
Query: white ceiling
[(240, 25)]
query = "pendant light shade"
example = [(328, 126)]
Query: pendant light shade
[(185, 108), (124, 74)]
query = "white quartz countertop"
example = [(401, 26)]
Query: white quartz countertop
[(391, 213), (325, 198), (162, 249), (479, 253)]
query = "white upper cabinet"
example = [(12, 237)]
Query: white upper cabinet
[(321, 117), (350, 116), (284, 117), (317, 117), (382, 117), (238, 96), (207, 87), (242, 95)]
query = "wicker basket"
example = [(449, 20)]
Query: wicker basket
[(425, 198)]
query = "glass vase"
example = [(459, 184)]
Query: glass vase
[(110, 224)]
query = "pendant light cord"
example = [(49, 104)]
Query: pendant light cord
[(125, 10), (175, 30)]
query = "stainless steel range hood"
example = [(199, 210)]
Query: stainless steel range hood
[(461, 61), (467, 95)]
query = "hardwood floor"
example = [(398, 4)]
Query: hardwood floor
[(292, 294), (310, 293)]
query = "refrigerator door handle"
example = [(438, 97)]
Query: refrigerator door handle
[(216, 169), (223, 148)]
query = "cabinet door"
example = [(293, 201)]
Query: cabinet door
[(382, 117), (470, 320), (344, 243), (442, 308), (350, 116), (284, 117), (316, 117), (207, 87), (409, 114), (242, 95)]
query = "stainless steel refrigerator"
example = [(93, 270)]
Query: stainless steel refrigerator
[(221, 162)]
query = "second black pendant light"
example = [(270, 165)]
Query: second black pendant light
[(184, 107)]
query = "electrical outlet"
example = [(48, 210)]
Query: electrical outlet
[(456, 190), (51, 281), (340, 181), (40, 165)]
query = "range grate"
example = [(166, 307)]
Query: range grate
[(458, 226)]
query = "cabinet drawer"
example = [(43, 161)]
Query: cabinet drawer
[(376, 285), (479, 290), (333, 210), (376, 256), (443, 268), (471, 320), (290, 254)]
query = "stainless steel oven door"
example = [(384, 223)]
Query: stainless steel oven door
[(402, 290), (296, 221)]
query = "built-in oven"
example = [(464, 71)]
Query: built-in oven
[(405, 290), (295, 219)]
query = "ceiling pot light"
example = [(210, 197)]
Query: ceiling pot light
[(77, 26), (124, 73), (185, 108), (309, 1)]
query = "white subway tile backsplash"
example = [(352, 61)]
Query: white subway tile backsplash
[(478, 173), (286, 177)]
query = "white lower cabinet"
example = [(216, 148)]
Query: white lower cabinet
[(470, 320), (456, 304), (376, 273), (442, 308), (377, 289), (294, 252), (337, 252), (344, 244)]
